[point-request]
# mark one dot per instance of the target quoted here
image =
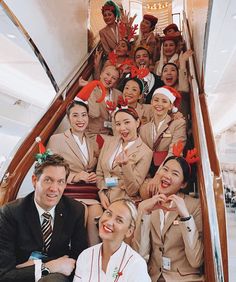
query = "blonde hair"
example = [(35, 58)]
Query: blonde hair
[(131, 207)]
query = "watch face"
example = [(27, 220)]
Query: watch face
[(45, 271)]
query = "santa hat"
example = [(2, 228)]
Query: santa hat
[(170, 26), (172, 94), (152, 19), (86, 91)]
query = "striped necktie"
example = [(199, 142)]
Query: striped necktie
[(46, 230)]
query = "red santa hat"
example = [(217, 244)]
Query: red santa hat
[(172, 94)]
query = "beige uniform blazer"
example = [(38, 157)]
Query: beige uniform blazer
[(145, 112), (108, 39), (65, 145), (98, 113), (181, 242), (176, 131), (130, 176)]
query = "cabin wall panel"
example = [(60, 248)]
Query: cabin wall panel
[(197, 12), (60, 34)]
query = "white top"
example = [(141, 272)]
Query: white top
[(131, 266), (83, 148)]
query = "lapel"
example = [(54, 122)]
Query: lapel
[(32, 217), (73, 145), (155, 221), (171, 218), (90, 150), (59, 220), (114, 146), (163, 127), (135, 147), (131, 151), (110, 35)]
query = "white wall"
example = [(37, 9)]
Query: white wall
[(59, 30)]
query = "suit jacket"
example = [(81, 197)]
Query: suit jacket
[(98, 112), (158, 83), (65, 145), (131, 175), (108, 39), (175, 131), (20, 235), (174, 242)]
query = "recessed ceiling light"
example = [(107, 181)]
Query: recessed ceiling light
[(11, 35), (215, 71), (224, 51), (234, 16)]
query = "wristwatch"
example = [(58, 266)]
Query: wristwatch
[(44, 270), (185, 218)]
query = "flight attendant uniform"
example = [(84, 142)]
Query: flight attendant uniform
[(173, 248), (79, 158), (100, 120), (122, 181)]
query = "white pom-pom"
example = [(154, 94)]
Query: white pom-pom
[(38, 139), (80, 100), (174, 110)]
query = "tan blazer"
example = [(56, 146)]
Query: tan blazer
[(173, 243), (145, 112), (108, 39), (131, 175), (176, 131), (98, 112), (65, 145)]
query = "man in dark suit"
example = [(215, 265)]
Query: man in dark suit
[(142, 59), (27, 251)]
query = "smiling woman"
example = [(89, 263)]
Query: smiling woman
[(113, 260), (80, 152), (124, 160), (169, 227)]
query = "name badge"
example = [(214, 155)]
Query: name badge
[(107, 124), (166, 263), (167, 135), (111, 181), (37, 255)]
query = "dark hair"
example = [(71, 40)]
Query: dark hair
[(51, 160), (172, 64), (183, 164), (74, 103), (139, 82), (131, 111), (127, 43), (142, 48)]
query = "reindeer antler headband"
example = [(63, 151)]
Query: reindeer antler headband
[(191, 156)]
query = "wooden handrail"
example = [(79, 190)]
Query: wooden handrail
[(217, 182), (24, 157), (208, 253), (214, 161)]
